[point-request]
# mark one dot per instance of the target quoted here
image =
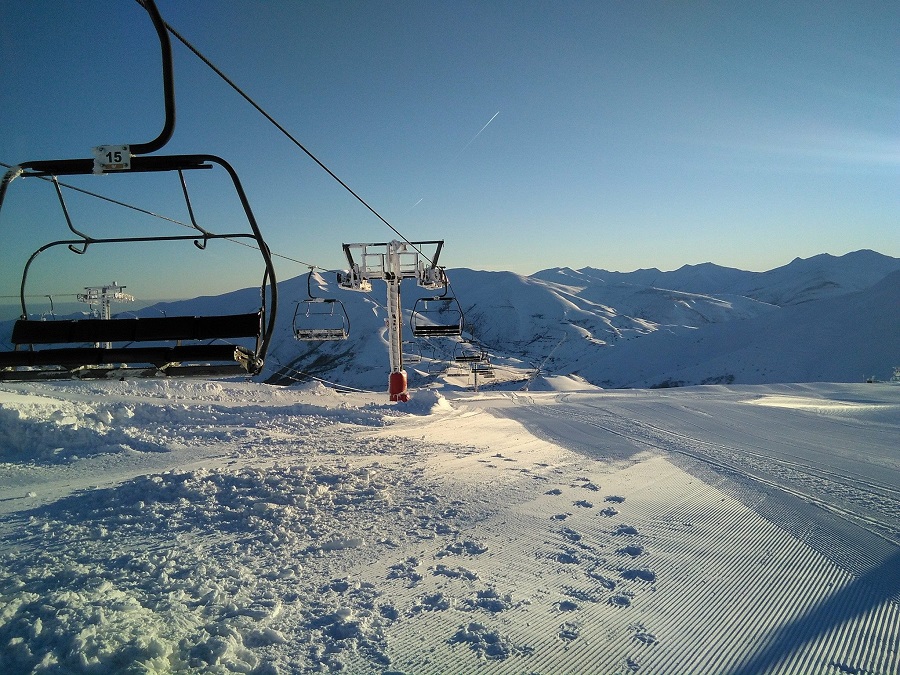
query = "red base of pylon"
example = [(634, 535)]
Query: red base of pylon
[(397, 386)]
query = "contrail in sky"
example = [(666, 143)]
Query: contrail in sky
[(479, 131), (461, 152), (414, 205)]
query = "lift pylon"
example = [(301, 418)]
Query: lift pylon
[(100, 299), (392, 262)]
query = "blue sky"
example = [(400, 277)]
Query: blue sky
[(629, 134)]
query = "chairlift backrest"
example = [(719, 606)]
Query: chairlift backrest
[(411, 352), (320, 319), (440, 316), (129, 159)]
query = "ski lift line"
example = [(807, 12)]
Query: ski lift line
[(284, 131), (50, 179), (307, 377), (40, 295)]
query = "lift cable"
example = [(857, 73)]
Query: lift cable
[(307, 377), (41, 295), (284, 131)]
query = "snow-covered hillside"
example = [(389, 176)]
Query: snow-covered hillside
[(840, 324), (821, 319)]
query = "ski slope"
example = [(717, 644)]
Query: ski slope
[(165, 526)]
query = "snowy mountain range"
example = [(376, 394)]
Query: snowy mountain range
[(824, 318)]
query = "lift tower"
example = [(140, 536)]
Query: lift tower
[(392, 262), (100, 299)]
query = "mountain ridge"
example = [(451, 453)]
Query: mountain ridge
[(825, 318), (848, 272)]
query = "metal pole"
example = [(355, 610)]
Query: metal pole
[(397, 381)]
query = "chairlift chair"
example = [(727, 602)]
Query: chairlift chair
[(160, 340), (466, 352), (411, 352), (320, 319), (484, 367), (438, 316)]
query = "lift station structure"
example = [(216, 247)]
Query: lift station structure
[(392, 262)]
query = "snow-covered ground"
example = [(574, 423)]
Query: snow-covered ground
[(164, 526)]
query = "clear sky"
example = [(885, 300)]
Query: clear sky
[(622, 135)]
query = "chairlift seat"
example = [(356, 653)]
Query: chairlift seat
[(436, 330), (319, 321), (152, 329), (320, 334), (443, 319), (75, 357), (147, 329)]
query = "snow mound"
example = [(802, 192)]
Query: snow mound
[(426, 402), (199, 571)]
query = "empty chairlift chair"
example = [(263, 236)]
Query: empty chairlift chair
[(466, 352), (167, 344), (320, 319), (439, 316), (483, 368), (171, 344)]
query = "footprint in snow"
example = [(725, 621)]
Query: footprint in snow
[(642, 634), (614, 499), (568, 631), (566, 606), (467, 547), (605, 582), (454, 572), (639, 575), (488, 644), (435, 602), (625, 529), (566, 558), (570, 534), (489, 600), (584, 595), (620, 600), (583, 503)]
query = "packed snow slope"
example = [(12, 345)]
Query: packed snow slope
[(825, 318), (219, 527)]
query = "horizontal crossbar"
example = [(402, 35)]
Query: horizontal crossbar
[(75, 357)]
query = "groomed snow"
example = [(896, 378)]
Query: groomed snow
[(172, 526)]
